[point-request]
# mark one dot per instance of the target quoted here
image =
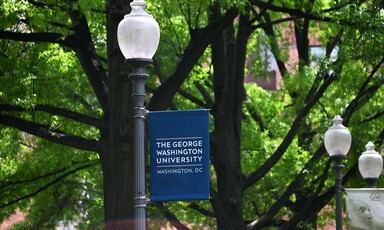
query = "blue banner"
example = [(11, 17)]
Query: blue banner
[(179, 155)]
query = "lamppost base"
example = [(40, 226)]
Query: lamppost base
[(371, 182)]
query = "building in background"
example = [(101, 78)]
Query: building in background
[(271, 78)]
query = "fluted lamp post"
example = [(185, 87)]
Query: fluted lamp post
[(337, 141), (138, 35), (370, 165)]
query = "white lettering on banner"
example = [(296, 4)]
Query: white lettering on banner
[(178, 144), (178, 160), (171, 171), (176, 152), (183, 144)]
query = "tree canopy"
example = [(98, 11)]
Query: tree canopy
[(66, 120)]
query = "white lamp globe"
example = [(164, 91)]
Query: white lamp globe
[(370, 163), (337, 139), (138, 34)]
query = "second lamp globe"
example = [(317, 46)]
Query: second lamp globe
[(337, 139), (370, 165)]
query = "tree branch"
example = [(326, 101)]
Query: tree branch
[(43, 131), (89, 59), (58, 179), (299, 13), (365, 92), (201, 210), (200, 39), (257, 118), (271, 161), (373, 117), (171, 217), (192, 98), (308, 209), (269, 30), (68, 41), (56, 111), (208, 100), (49, 174)]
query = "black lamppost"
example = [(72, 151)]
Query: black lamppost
[(138, 35), (337, 141), (370, 165)]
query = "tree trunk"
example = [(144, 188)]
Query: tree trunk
[(117, 135), (226, 137)]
